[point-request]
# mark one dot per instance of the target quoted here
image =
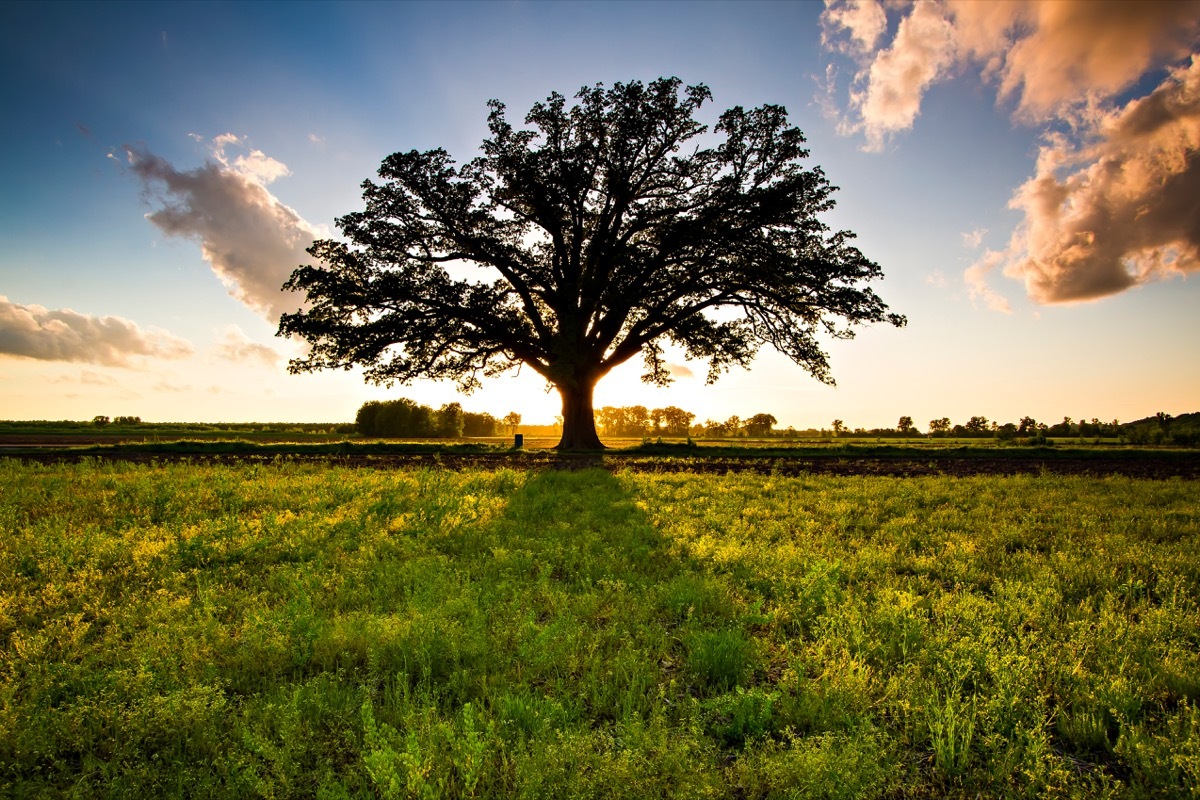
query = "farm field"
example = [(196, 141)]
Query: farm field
[(293, 629)]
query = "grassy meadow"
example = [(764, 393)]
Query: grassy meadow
[(298, 630)]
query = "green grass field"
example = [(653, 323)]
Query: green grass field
[(292, 630)]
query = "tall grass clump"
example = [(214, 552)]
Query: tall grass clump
[(295, 630)]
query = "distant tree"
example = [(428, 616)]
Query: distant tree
[(475, 424), (450, 421), (939, 427), (760, 425), (411, 420), (637, 421), (512, 419), (977, 425), (405, 418), (733, 425), (1064, 428), (838, 427), (905, 426), (366, 420), (608, 418), (1028, 427), (100, 420), (601, 231), (676, 421)]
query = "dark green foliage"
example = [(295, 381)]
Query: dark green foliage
[(1164, 428), (408, 419)]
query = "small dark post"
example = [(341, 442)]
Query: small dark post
[(518, 441)]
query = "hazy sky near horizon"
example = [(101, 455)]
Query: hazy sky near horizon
[(1027, 174)]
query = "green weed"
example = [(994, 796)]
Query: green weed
[(295, 630)]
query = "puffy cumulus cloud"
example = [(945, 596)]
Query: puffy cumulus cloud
[(235, 345), (252, 240), (64, 335), (1115, 197), (1050, 57), (255, 165), (863, 20), (1120, 210), (898, 77), (1053, 55)]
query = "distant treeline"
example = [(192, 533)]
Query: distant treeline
[(407, 419), (671, 421)]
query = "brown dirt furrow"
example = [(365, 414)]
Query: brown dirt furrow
[(1175, 467)]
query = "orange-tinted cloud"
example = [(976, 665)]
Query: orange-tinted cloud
[(252, 240), (235, 345), (899, 76), (864, 21), (64, 335), (975, 278), (1048, 56), (1127, 210), (1115, 198), (1053, 55)]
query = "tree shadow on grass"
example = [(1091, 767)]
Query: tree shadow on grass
[(604, 611)]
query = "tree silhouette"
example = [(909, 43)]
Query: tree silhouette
[(513, 420), (760, 425), (587, 239)]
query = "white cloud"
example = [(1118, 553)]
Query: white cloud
[(235, 345), (251, 239), (973, 239), (64, 335), (864, 20), (255, 165), (899, 76), (975, 277)]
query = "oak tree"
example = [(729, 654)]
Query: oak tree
[(601, 231)]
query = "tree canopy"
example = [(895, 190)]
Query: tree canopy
[(602, 231)]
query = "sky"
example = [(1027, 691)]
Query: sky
[(1027, 175)]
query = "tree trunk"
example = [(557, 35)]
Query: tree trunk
[(579, 423)]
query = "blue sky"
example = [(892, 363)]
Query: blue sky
[(930, 120)]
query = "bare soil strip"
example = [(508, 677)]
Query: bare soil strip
[(1186, 467)]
